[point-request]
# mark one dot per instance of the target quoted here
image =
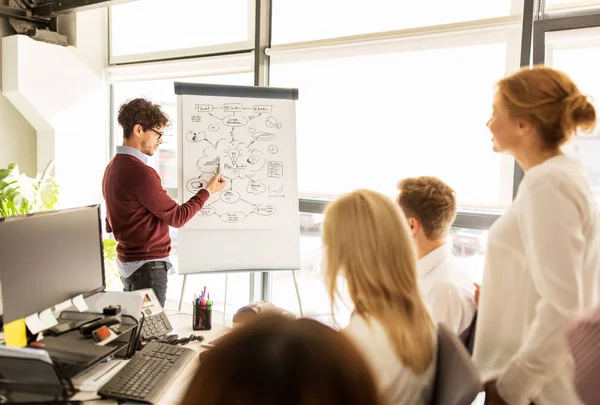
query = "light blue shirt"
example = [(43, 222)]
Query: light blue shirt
[(126, 269)]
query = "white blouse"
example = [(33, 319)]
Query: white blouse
[(397, 383), (542, 266)]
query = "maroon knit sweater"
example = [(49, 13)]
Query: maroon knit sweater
[(139, 211)]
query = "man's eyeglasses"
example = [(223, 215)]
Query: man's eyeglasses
[(160, 134)]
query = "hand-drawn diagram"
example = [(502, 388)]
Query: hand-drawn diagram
[(276, 192), (241, 140), (195, 136), (272, 122)]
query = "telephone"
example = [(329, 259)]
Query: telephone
[(156, 323)]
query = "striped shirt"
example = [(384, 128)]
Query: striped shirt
[(583, 338)]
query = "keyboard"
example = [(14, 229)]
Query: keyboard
[(148, 374)]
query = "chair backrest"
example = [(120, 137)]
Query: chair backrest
[(468, 335), (457, 381)]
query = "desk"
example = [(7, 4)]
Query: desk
[(182, 326)]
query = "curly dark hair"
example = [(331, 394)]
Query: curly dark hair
[(143, 112)]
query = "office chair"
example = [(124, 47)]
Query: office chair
[(457, 381), (468, 335)]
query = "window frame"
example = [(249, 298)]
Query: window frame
[(413, 39), (471, 219), (562, 20)]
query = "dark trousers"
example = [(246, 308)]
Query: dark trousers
[(150, 275)]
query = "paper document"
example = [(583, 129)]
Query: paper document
[(34, 324), (63, 306), (47, 319), (80, 303)]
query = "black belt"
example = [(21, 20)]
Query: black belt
[(155, 263)]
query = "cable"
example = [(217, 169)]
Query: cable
[(174, 339), (31, 3), (297, 293), (21, 5)]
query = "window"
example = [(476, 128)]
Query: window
[(306, 20), (370, 120), (468, 246), (152, 29), (577, 53)]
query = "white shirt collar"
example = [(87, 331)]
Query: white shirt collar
[(128, 150), (432, 259)]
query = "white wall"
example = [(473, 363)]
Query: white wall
[(62, 92), (17, 136)]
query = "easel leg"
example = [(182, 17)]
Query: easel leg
[(225, 299), (182, 291)]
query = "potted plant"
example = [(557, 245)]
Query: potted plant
[(21, 194)]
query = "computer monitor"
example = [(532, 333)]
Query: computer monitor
[(49, 257)]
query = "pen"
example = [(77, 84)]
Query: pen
[(219, 166)]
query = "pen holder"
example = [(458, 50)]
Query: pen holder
[(202, 316)]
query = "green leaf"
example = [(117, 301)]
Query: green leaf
[(110, 249), (49, 194), (20, 194)]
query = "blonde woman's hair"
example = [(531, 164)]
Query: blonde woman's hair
[(367, 240), (549, 100)]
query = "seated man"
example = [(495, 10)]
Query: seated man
[(430, 208)]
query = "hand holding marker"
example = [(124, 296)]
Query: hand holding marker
[(217, 183), (221, 178)]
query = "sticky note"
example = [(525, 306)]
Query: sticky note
[(34, 324), (47, 318), (63, 305), (15, 333), (80, 303)]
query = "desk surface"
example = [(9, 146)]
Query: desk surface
[(182, 326)]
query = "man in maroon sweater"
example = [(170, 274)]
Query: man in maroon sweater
[(139, 211)]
